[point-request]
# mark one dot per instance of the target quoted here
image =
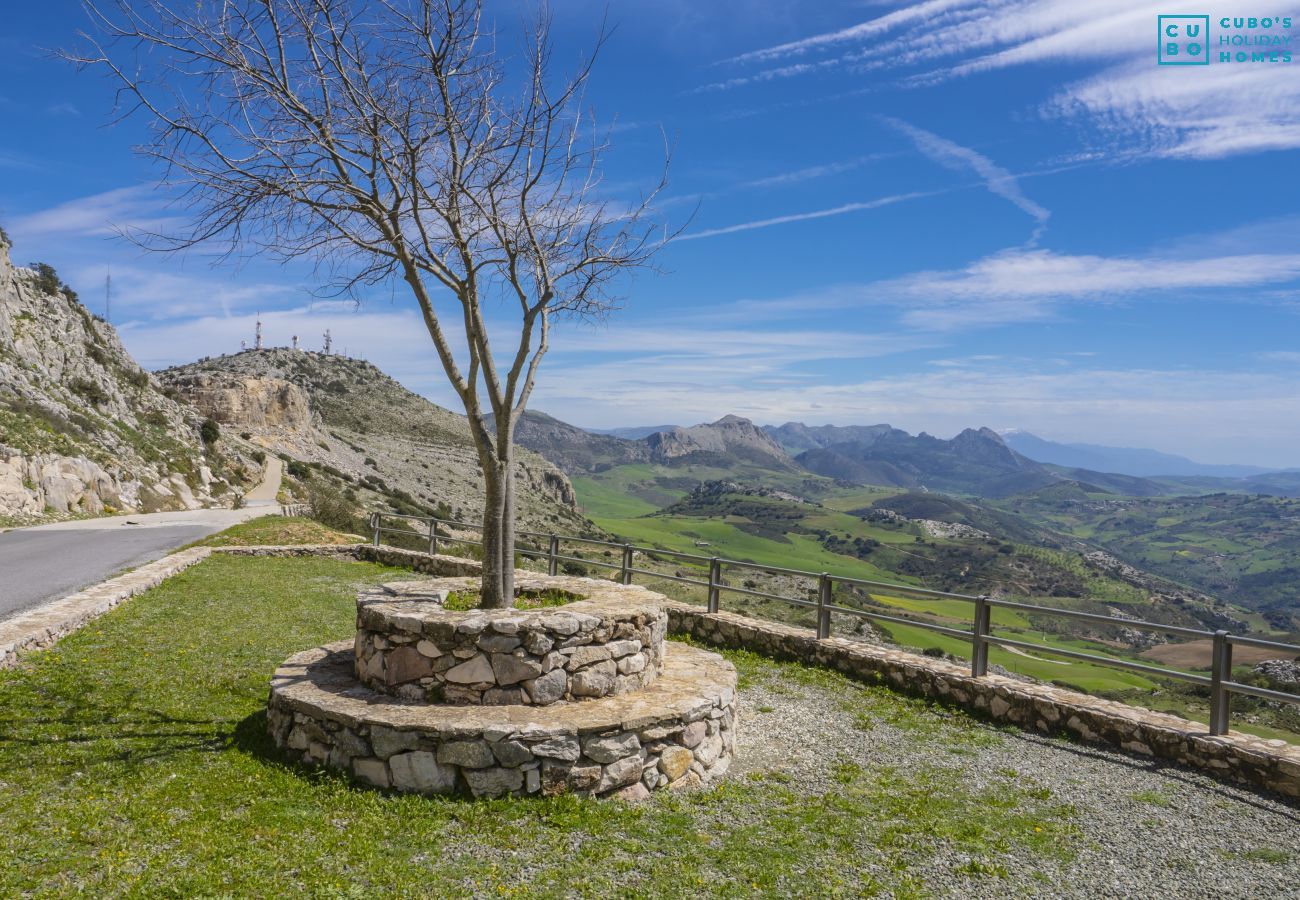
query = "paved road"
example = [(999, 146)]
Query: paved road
[(47, 562)]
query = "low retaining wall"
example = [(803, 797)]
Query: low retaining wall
[(608, 641), (677, 733), (1274, 764)]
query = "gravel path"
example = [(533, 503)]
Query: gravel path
[(1146, 829)]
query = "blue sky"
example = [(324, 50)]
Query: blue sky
[(936, 215)]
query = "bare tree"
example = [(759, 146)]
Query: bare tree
[(392, 141)]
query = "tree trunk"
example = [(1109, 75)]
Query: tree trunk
[(499, 534)]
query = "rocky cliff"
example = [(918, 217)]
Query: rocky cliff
[(353, 426), (83, 429), (730, 436)]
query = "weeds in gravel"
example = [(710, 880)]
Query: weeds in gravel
[(1153, 798), (1270, 855), (135, 761)]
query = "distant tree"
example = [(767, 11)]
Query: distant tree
[(47, 279), (394, 142)]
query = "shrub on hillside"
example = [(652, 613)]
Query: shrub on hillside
[(209, 432), (329, 507), (89, 391)]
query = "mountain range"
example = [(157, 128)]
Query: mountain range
[(977, 462), (1121, 460)]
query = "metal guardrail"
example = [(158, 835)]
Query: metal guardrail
[(981, 635)]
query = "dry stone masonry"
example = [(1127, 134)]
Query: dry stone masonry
[(1045, 708), (584, 698), (408, 645)]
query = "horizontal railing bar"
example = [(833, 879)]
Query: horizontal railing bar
[(898, 620), (761, 568), (765, 596), (586, 562), (1264, 644), (420, 534), (1263, 693), (659, 551), (1109, 620), (1099, 660), (654, 574), (442, 539), (902, 588), (582, 540), (878, 587)]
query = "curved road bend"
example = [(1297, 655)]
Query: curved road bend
[(47, 562)]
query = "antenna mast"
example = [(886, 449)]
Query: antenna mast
[(258, 345), (328, 341), (108, 295)]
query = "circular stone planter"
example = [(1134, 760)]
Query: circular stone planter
[(608, 642), (677, 732)]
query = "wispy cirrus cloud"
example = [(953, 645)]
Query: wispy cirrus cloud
[(809, 173), (961, 159), (854, 34), (1027, 285), (98, 215), (1140, 108), (1030, 285), (840, 210)]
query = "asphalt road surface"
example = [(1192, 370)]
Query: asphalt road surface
[(48, 562)]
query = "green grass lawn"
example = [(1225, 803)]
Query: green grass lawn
[(278, 530), (134, 761)]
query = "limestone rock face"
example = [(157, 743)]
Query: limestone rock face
[(248, 402), (83, 429)]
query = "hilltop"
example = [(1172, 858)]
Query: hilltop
[(84, 430), (730, 441), (345, 422)]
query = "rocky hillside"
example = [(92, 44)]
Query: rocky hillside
[(726, 443), (573, 449), (731, 437), (346, 423), (83, 429)]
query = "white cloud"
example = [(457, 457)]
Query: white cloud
[(99, 215), (1253, 414), (1044, 273), (142, 293), (809, 173), (1030, 285), (804, 217), (954, 156), (921, 12), (1194, 112)]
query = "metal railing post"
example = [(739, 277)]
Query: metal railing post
[(374, 522), (626, 574), (824, 606), (1220, 671), (979, 656), (552, 554), (715, 579), (433, 537)]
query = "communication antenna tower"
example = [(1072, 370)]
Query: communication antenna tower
[(108, 295), (328, 341), (295, 342), (258, 345)]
